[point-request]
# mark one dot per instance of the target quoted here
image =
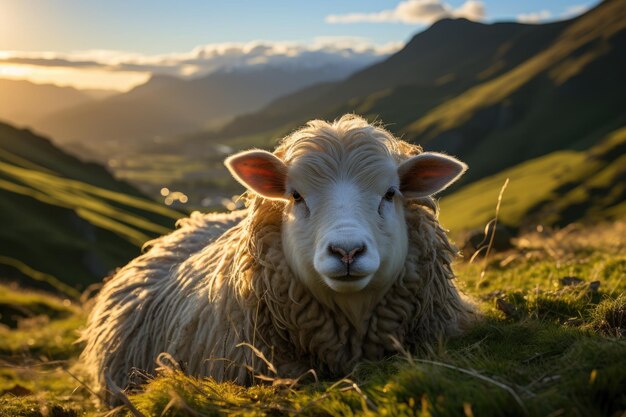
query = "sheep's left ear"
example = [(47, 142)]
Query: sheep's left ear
[(259, 171), (428, 173)]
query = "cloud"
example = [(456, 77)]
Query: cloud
[(49, 62), (545, 15), (209, 58), (576, 10), (534, 17), (415, 12)]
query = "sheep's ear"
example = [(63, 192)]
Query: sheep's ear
[(428, 173), (259, 171)]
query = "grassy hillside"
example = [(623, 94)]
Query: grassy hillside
[(552, 343), (63, 222), (493, 94), (552, 190)]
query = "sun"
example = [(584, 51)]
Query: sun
[(14, 71)]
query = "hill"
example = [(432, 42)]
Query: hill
[(493, 94), (167, 105), (23, 102), (65, 223), (552, 190)]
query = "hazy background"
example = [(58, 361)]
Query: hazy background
[(116, 115)]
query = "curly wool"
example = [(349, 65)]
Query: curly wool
[(199, 302)]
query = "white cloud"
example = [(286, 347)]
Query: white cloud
[(545, 15), (534, 17), (415, 12), (576, 10), (205, 59)]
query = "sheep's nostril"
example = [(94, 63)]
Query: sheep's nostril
[(336, 251), (359, 250), (347, 256)]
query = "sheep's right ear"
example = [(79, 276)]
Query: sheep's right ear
[(259, 171)]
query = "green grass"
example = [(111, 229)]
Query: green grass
[(546, 347), (66, 223), (530, 183), (37, 349), (554, 189)]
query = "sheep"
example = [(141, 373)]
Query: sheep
[(337, 256)]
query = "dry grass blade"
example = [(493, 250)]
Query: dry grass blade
[(493, 231), (167, 361), (261, 356), (83, 384), (405, 353), (475, 374), (177, 402), (486, 236), (367, 403), (117, 391)]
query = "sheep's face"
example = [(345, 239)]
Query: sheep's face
[(347, 234), (344, 229)]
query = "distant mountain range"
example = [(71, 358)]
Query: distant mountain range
[(167, 105), (24, 103), (493, 94), (64, 223)]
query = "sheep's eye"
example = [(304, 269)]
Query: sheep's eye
[(297, 198), (390, 194)]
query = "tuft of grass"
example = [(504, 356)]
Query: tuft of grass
[(39, 325), (609, 317)]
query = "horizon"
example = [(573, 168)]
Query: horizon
[(86, 54)]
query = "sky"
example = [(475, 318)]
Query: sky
[(117, 44)]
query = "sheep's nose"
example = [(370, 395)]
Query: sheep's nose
[(347, 255)]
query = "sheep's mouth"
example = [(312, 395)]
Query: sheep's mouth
[(347, 283), (348, 277)]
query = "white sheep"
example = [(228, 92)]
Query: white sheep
[(338, 252)]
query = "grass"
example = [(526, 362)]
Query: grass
[(66, 223), (554, 189), (552, 343), (530, 183)]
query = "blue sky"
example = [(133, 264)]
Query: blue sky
[(120, 43), (160, 26)]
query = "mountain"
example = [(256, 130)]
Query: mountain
[(492, 94), (167, 105), (551, 190), (22, 102), (64, 223)]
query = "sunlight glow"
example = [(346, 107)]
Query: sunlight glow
[(78, 78), (15, 71)]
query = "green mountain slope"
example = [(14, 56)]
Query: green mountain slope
[(551, 190), (448, 58), (494, 95), (566, 97), (65, 221)]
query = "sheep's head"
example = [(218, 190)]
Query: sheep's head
[(343, 186)]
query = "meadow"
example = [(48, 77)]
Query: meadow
[(551, 344)]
